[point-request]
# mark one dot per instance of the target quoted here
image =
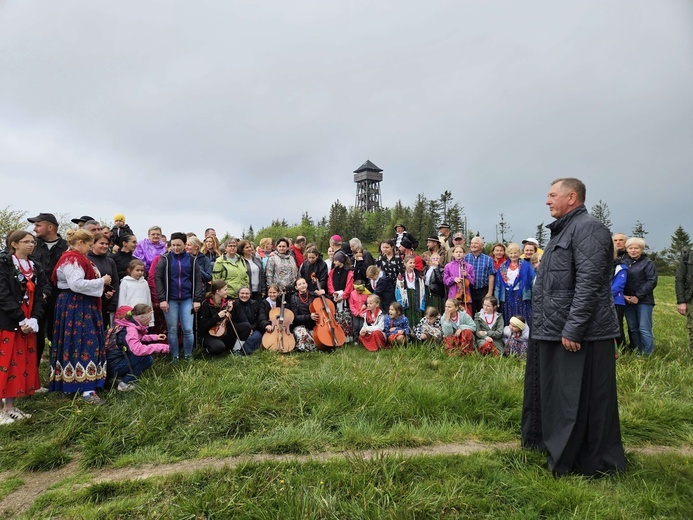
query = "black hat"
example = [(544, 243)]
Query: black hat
[(406, 243), (44, 217), (401, 225), (444, 225), (433, 239), (83, 218)]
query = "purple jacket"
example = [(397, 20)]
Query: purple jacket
[(146, 251), (452, 271)]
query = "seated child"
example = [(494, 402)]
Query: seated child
[(357, 305), (489, 328), (516, 336), (396, 325), (129, 347), (458, 329), (429, 329), (371, 335)]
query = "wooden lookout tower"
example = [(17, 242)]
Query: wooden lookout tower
[(367, 178)]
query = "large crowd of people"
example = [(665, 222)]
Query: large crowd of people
[(100, 296)]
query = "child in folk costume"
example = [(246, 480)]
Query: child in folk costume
[(304, 319), (516, 337), (411, 292), (21, 308), (458, 276), (489, 328), (396, 325), (458, 329), (357, 305), (429, 329), (371, 335)]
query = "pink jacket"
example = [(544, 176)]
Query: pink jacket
[(357, 303), (136, 333), (452, 271)]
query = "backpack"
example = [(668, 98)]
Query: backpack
[(115, 340)]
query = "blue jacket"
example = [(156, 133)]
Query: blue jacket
[(618, 283)]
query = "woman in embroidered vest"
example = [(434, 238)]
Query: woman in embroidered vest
[(514, 286), (304, 319), (78, 356), (21, 306)]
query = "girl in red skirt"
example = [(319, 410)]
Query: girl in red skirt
[(458, 329), (371, 335), (21, 290)]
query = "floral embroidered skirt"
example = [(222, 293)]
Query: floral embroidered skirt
[(78, 354), (516, 306), (18, 364), (304, 339)]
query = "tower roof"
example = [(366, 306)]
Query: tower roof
[(367, 166)]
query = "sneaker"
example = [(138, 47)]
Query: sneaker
[(16, 414), (94, 399), (5, 419), (41, 390), (125, 387)]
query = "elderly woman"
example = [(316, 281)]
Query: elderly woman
[(513, 286), (639, 296), (232, 268), (78, 354), (151, 247), (21, 306)]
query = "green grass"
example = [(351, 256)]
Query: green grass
[(500, 484), (353, 399)]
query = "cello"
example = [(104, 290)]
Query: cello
[(327, 334), (280, 339)]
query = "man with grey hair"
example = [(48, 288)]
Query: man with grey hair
[(573, 330), (484, 273)]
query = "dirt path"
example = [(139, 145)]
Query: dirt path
[(35, 483)]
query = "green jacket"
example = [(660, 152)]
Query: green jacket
[(684, 279), (234, 274)]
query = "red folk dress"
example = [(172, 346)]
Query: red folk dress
[(18, 363)]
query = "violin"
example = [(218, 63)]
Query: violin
[(280, 339), (327, 334), (219, 329), (462, 293)]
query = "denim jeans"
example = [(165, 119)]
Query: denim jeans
[(639, 318), (180, 311), (121, 368)]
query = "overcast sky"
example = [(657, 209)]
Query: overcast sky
[(231, 113)]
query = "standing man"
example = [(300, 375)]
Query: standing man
[(619, 240), (484, 273), (49, 248), (574, 326), (684, 292)]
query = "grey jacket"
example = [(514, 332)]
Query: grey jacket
[(572, 293)]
